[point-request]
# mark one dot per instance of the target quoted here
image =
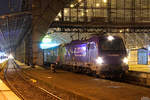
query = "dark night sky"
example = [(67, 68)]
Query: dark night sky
[(4, 6)]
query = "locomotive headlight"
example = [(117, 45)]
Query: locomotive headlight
[(99, 60), (125, 60), (110, 38)]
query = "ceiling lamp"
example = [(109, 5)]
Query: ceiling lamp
[(104, 1), (65, 11), (79, 0), (97, 4), (71, 5)]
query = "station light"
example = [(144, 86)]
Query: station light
[(87, 11), (127, 30), (121, 31), (125, 60), (71, 5), (99, 60), (82, 14), (48, 45), (104, 1), (110, 38), (65, 11), (46, 39), (10, 56), (97, 4), (56, 19), (149, 48)]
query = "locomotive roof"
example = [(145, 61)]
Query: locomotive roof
[(94, 38)]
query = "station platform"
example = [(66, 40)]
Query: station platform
[(89, 87), (140, 68), (138, 74), (6, 93), (22, 65)]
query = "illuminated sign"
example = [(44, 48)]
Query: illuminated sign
[(47, 43), (46, 39), (80, 51)]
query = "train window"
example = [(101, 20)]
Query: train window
[(116, 44), (55, 51), (91, 45)]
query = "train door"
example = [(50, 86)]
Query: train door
[(46, 56), (143, 56), (92, 52)]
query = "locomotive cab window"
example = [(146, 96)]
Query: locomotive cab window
[(116, 44)]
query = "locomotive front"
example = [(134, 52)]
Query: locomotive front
[(112, 59)]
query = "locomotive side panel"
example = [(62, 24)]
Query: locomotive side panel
[(76, 54), (82, 54)]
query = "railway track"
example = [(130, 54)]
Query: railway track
[(21, 84), (24, 86)]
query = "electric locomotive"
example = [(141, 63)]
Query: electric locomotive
[(102, 55)]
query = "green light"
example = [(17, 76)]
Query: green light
[(46, 39), (47, 43)]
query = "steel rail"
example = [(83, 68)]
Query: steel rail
[(10, 85), (25, 78), (18, 67)]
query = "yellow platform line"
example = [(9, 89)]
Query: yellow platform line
[(141, 68), (6, 93)]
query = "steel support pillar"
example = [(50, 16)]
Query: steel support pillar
[(44, 12)]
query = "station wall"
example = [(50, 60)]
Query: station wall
[(139, 56), (133, 58)]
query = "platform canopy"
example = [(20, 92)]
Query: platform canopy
[(55, 39), (15, 22)]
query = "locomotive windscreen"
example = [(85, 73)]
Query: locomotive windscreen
[(114, 45)]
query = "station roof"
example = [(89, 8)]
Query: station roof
[(10, 6), (16, 22)]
